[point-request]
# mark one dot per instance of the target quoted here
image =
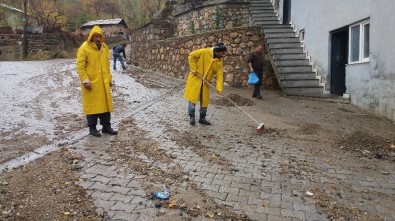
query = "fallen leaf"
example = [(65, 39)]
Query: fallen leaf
[(265, 204), (66, 213), (210, 215), (173, 205)]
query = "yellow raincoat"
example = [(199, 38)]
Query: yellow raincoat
[(93, 66), (203, 63)]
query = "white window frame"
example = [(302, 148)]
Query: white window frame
[(361, 58)]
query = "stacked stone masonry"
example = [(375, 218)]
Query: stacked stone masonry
[(170, 56), (205, 19)]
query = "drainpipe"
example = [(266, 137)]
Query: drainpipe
[(24, 43)]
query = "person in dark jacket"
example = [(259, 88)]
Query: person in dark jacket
[(256, 63), (117, 50)]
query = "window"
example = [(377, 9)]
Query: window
[(359, 42), (301, 36)]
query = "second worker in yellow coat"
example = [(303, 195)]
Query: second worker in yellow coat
[(203, 64)]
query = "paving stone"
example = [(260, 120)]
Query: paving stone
[(106, 204), (119, 189), (278, 218), (203, 180), (292, 213), (210, 187), (121, 197), (369, 184), (126, 207), (244, 186), (257, 216), (102, 179), (221, 182), (84, 184), (234, 191), (101, 195), (388, 185), (119, 182), (134, 184), (269, 210), (99, 186), (237, 199), (125, 216), (139, 192), (138, 200), (217, 195)]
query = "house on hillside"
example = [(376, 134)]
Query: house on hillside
[(11, 18), (111, 27), (351, 46)]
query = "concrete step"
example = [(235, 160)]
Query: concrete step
[(304, 91), (276, 26), (282, 40), (285, 45), (295, 76), (280, 35), (300, 83), (262, 15), (294, 69), (282, 51), (261, 4), (278, 30), (263, 23), (281, 63), (268, 18), (289, 56)]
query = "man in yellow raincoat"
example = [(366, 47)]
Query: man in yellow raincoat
[(203, 64), (93, 67)]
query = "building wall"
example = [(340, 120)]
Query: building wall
[(370, 85)]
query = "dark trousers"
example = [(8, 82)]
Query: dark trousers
[(105, 119), (257, 86)]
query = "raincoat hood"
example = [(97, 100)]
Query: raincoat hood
[(96, 30)]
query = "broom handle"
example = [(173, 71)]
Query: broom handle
[(227, 98)]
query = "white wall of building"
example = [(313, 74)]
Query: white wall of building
[(370, 85)]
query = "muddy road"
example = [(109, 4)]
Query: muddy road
[(317, 159)]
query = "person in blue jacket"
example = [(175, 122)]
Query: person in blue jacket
[(117, 50)]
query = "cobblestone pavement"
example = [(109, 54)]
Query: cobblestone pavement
[(298, 169), (255, 179)]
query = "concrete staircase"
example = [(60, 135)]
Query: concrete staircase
[(291, 65)]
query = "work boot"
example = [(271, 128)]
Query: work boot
[(109, 130), (94, 132), (192, 121), (204, 121), (259, 97)]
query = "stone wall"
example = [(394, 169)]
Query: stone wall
[(199, 20), (38, 42), (212, 17), (170, 56)]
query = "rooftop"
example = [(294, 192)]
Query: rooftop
[(115, 21)]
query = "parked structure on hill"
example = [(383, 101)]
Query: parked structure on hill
[(111, 27)]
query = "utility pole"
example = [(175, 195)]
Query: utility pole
[(24, 42)]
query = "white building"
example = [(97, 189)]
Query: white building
[(351, 44)]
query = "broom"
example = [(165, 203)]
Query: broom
[(259, 128)]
